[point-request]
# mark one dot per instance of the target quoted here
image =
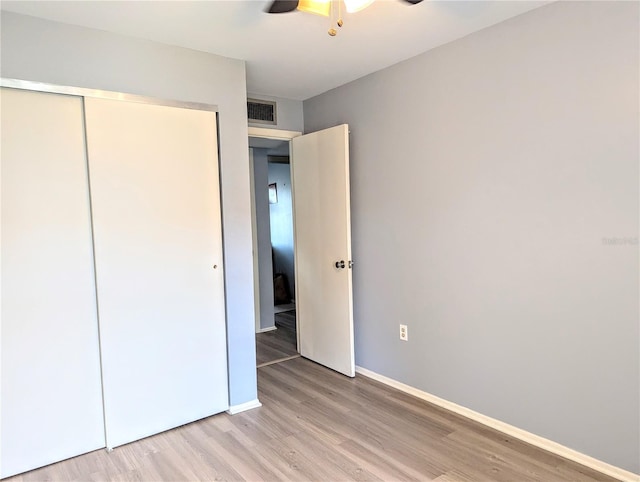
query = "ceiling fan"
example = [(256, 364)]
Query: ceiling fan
[(324, 7)]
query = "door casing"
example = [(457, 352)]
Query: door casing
[(281, 135)]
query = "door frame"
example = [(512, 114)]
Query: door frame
[(102, 94), (282, 135), (254, 244)]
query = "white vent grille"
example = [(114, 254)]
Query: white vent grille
[(261, 111)]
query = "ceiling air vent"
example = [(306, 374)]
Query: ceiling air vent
[(261, 111)]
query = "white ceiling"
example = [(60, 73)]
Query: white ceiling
[(288, 55)]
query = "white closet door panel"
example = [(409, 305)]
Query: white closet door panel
[(158, 244), (50, 386)]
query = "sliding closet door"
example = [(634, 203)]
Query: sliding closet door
[(50, 385), (156, 213)]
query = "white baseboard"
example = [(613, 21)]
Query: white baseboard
[(536, 440), (269, 328), (244, 407)]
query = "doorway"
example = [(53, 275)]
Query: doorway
[(272, 217), (320, 191)]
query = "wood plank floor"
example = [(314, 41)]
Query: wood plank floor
[(275, 345), (316, 425)]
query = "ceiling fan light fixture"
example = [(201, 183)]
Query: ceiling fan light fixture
[(317, 7), (356, 5)]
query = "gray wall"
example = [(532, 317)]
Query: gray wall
[(288, 113), (265, 265), (485, 175), (282, 222), (51, 52)]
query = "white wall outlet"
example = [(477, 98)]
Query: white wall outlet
[(404, 334)]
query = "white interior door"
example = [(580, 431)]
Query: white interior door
[(50, 378), (158, 247), (322, 225)]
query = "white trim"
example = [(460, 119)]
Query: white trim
[(243, 407), (254, 241), (267, 133), (101, 94), (268, 328), (528, 437)]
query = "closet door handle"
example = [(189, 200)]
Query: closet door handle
[(340, 264)]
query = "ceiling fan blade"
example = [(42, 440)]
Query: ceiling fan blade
[(282, 6), (413, 2)]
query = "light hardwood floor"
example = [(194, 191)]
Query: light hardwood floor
[(318, 425)]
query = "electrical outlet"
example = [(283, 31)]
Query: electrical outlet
[(404, 334)]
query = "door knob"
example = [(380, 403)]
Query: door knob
[(340, 264)]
